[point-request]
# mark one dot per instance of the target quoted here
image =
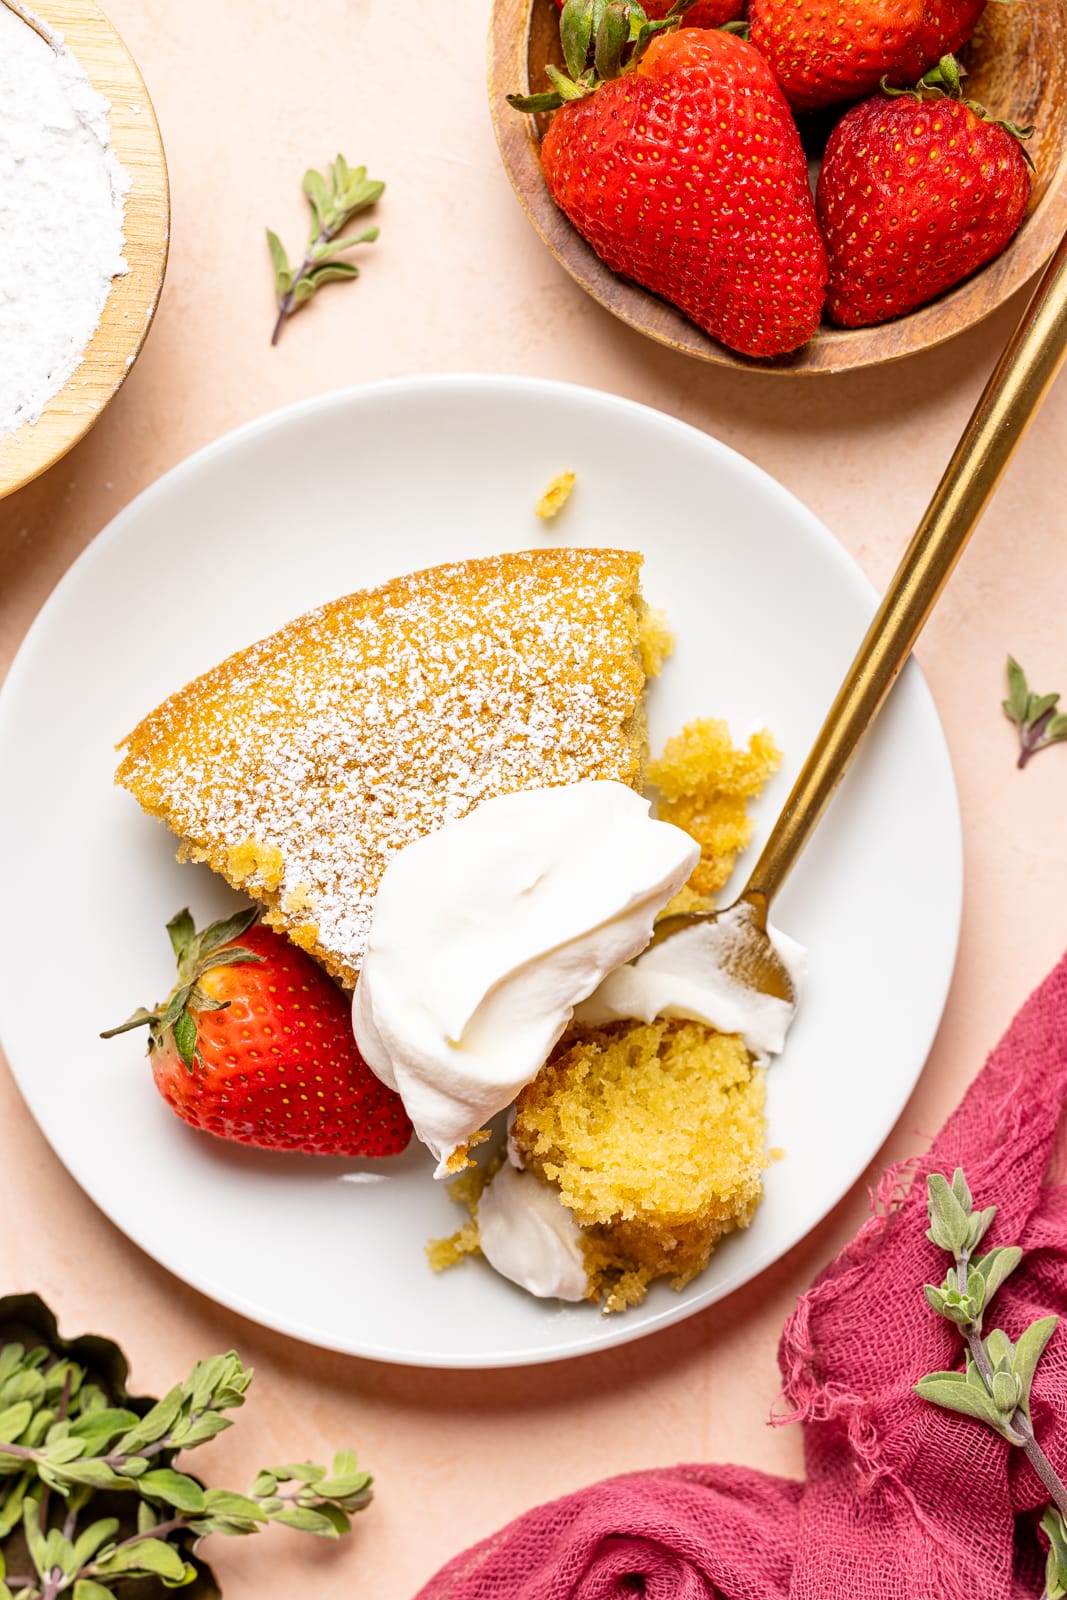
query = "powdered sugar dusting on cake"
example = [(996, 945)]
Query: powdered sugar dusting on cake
[(301, 766)]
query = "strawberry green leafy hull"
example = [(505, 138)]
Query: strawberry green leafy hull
[(254, 1044), (687, 175)]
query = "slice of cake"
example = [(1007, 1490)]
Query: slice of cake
[(301, 765)]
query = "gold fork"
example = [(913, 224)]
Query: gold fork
[(1019, 383)]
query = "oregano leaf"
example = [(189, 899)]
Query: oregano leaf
[(1029, 1349), (1000, 1350), (329, 271), (317, 190), (961, 1190), (996, 1266), (153, 1556), (307, 1521), (87, 1589), (174, 1488), (949, 1225), (283, 278), (14, 1421), (1052, 1525)]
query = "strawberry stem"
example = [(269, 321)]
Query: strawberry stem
[(944, 82), (195, 953), (602, 39)]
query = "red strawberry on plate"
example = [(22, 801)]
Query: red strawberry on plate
[(676, 157), (824, 54), (917, 190), (254, 1044)]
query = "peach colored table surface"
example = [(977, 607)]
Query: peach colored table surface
[(248, 93)]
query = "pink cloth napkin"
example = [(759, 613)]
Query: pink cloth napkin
[(902, 1501)]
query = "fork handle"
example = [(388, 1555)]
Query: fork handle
[(1019, 383)]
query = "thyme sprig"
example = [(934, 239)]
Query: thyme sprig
[(1035, 715), (995, 1384), (334, 200)]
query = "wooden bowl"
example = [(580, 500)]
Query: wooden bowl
[(131, 304), (1017, 67)]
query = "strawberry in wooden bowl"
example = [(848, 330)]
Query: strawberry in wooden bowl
[(676, 157), (1015, 59), (918, 189)]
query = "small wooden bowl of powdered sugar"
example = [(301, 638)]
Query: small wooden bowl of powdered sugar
[(84, 225)]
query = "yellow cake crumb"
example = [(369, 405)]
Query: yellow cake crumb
[(687, 900), (555, 496), (465, 1190), (704, 780), (653, 1134), (297, 900), (776, 1153), (190, 852), (655, 641), (445, 1253), (250, 859), (460, 1157)]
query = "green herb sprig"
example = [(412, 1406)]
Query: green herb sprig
[(89, 1494), (334, 200), (1035, 715), (995, 1384)]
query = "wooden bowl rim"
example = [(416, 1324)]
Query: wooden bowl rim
[(830, 349), (131, 303)]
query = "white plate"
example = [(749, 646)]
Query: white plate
[(341, 492)]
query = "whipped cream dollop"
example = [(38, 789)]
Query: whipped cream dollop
[(687, 976), (528, 1235), (486, 934)]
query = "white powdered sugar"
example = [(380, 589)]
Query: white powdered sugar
[(62, 196)]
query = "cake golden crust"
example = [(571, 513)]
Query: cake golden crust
[(299, 766)]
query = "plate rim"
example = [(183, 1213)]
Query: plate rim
[(619, 1329)]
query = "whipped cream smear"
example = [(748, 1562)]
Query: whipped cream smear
[(490, 934), (529, 1236), (487, 934), (686, 976)]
